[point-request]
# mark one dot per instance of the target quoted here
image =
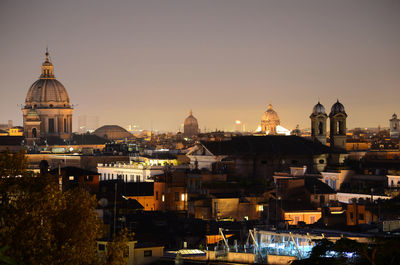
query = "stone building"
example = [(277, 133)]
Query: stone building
[(338, 129), (47, 111), (318, 123), (394, 127)]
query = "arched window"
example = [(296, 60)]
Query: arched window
[(320, 128), (34, 133)]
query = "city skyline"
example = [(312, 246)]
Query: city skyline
[(151, 63)]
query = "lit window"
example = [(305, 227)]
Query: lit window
[(260, 208), (183, 196), (163, 198), (312, 219), (71, 177)]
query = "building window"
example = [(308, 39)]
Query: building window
[(148, 253), (102, 247), (351, 216), (71, 177), (183, 197), (156, 195), (65, 125), (51, 125), (177, 196), (361, 216), (163, 197), (312, 219), (34, 135)]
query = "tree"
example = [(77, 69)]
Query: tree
[(117, 250), (41, 224)]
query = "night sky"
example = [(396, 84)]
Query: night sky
[(150, 62)]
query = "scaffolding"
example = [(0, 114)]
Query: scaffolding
[(283, 244)]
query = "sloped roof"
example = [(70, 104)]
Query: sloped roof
[(75, 171), (11, 140), (130, 188), (275, 145), (314, 185)]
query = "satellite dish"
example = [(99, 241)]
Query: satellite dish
[(103, 202)]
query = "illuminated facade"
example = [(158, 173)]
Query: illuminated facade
[(47, 111)]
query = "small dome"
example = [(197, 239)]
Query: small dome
[(318, 109), (112, 132), (394, 116), (270, 115), (337, 108)]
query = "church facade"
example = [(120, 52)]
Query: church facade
[(47, 111)]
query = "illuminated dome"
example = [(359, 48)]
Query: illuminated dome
[(318, 109), (47, 91), (337, 108), (190, 126), (112, 132), (269, 121), (270, 115)]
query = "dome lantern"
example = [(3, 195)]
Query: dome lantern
[(47, 68)]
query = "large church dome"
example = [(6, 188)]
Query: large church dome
[(190, 126), (270, 121), (270, 115), (191, 120), (47, 91)]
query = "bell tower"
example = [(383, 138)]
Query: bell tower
[(318, 123), (338, 127), (394, 127)]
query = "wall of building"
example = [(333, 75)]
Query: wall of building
[(308, 217), (359, 214), (147, 255)]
